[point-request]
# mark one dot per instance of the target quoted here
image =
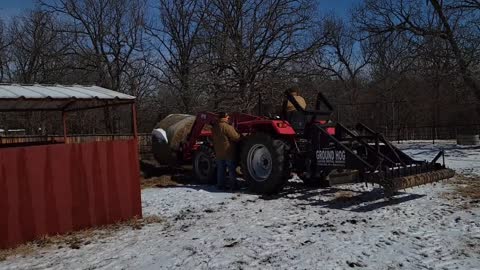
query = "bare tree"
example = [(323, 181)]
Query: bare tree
[(467, 4), (343, 56), (454, 40), (252, 40), (175, 38), (108, 38), (37, 49), (5, 42), (423, 20), (108, 35)]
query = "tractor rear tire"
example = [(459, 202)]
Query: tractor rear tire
[(264, 163), (204, 167)]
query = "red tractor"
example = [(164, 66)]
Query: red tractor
[(309, 144)]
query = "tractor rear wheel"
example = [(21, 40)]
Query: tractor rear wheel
[(264, 163), (204, 168)]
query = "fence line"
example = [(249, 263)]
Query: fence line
[(429, 132), (145, 141)]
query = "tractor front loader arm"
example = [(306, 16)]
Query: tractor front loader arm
[(202, 119)]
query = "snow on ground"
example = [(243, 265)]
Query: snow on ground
[(464, 159), (298, 229)]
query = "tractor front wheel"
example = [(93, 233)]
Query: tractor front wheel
[(264, 163), (204, 168)]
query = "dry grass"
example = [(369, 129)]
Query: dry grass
[(162, 181), (467, 191), (75, 240), (344, 196), (468, 187), (22, 250)]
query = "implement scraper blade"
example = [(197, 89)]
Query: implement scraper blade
[(417, 180)]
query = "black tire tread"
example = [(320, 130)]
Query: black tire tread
[(280, 170), (212, 178)]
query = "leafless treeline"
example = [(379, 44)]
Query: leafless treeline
[(402, 62)]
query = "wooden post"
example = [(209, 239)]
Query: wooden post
[(134, 121), (64, 119)]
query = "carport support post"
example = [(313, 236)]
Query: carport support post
[(64, 119), (134, 121)]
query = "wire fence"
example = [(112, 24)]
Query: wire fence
[(144, 140), (432, 133), (420, 120)]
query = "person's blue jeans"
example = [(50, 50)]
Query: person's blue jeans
[(221, 166)]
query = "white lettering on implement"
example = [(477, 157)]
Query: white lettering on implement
[(330, 157)]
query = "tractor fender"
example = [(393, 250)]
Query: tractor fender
[(279, 127)]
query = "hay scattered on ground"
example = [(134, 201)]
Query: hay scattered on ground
[(161, 181), (22, 250), (468, 187), (467, 190), (75, 240), (344, 195)]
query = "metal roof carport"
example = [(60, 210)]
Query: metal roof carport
[(56, 188), (63, 98)]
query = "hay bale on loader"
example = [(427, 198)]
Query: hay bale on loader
[(170, 120), (178, 132), (168, 135)]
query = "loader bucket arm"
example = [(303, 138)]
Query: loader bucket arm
[(197, 132), (202, 119)]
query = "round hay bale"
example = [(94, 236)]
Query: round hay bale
[(170, 120), (160, 148), (160, 135), (168, 135), (178, 132), (468, 139)]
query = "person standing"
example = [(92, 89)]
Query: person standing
[(224, 139)]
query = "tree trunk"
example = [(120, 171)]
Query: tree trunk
[(467, 77)]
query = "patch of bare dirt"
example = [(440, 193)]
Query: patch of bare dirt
[(75, 240)]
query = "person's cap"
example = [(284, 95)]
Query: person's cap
[(222, 114)]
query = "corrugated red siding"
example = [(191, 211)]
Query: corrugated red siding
[(58, 188)]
